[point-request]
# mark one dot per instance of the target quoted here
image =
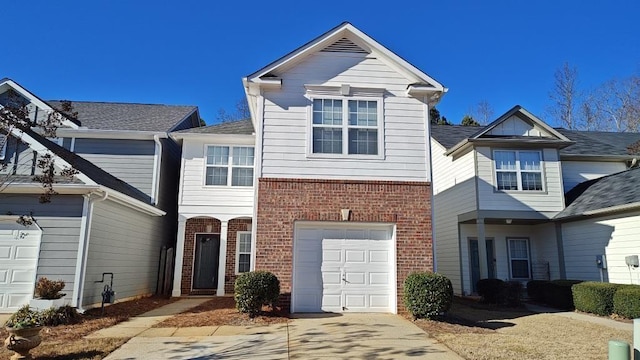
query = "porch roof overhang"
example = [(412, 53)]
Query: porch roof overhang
[(500, 217)]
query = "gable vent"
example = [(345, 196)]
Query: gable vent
[(345, 45)]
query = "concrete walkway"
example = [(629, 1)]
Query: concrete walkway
[(319, 336), (582, 317)]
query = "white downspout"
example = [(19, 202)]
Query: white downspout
[(85, 233), (157, 159), (434, 256)]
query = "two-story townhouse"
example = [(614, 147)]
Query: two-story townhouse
[(339, 204), (114, 216), (499, 197)]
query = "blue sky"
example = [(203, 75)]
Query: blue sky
[(196, 52)]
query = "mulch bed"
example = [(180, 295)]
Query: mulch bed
[(222, 311)]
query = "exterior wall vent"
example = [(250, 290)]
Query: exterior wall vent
[(345, 45)]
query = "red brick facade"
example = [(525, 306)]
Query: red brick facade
[(199, 225), (283, 201)]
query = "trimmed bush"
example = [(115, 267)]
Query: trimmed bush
[(535, 290), (594, 297), (49, 289), (255, 289), (427, 294), (491, 290), (558, 294), (626, 301), (512, 293)]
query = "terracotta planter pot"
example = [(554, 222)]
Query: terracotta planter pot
[(21, 341)]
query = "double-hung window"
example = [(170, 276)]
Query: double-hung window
[(229, 165), (243, 252), (345, 126), (518, 170), (519, 258)]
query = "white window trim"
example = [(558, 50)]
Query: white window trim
[(345, 127), (518, 171), (238, 250), (509, 239), (229, 166)]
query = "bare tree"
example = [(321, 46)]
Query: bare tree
[(565, 96), (482, 112), (617, 104), (241, 112)]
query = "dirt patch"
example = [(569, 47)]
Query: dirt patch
[(222, 311), (66, 341), (476, 331)]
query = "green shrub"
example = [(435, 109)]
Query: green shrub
[(558, 294), (491, 290), (49, 289), (535, 290), (63, 315), (594, 297), (626, 301), (255, 289), (427, 294), (24, 318), (512, 294)]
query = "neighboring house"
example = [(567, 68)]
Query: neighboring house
[(328, 186), (499, 191), (115, 215)]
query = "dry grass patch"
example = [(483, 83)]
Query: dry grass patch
[(477, 333), (222, 311), (67, 341)]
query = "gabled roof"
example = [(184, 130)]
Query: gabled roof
[(606, 194), (239, 127), (128, 116), (522, 113), (336, 35)]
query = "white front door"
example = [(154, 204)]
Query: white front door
[(344, 269), (18, 261)]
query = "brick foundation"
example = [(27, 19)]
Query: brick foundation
[(281, 202)]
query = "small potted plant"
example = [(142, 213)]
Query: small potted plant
[(24, 332), (48, 294)]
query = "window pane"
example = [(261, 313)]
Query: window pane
[(244, 261), (518, 249), (507, 180), (363, 113), (327, 112), (327, 141), (520, 269), (531, 181), (505, 160), (529, 160), (216, 176), (243, 156), (217, 155), (242, 177), (244, 245), (363, 141)]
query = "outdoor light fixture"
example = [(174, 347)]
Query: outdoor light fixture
[(209, 228), (508, 221), (345, 214)]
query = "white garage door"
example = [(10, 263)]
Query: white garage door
[(343, 269), (18, 260)]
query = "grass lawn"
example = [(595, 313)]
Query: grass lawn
[(222, 311), (67, 342), (480, 332)]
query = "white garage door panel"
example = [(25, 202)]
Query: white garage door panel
[(344, 270), (18, 260)]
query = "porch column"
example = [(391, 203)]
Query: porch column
[(222, 263), (482, 250), (177, 273)]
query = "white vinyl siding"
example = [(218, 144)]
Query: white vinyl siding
[(613, 236), (575, 172), (286, 145), (243, 252), (229, 166), (549, 200)]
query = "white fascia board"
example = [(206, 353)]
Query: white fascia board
[(110, 134), (216, 138), (36, 101), (43, 150)]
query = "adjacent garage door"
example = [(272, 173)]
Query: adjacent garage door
[(18, 260), (340, 268)]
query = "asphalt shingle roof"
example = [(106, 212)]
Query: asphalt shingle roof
[(125, 116), (612, 190), (240, 127), (586, 142)]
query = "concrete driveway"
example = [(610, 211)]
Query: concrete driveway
[(314, 336)]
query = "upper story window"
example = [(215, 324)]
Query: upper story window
[(518, 170), (348, 127), (229, 166)]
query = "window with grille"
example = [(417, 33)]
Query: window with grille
[(519, 258), (229, 165), (518, 170), (243, 252)]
